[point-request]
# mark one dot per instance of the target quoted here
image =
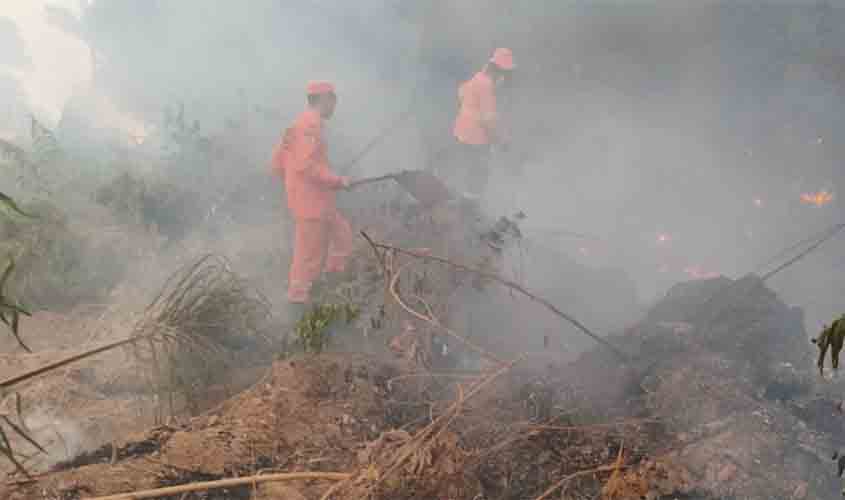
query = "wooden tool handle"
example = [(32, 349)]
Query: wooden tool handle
[(370, 180)]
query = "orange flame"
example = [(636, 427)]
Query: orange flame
[(817, 199)]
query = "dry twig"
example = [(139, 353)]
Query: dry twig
[(428, 435), (557, 485), (225, 483)]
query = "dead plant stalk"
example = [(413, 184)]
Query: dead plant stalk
[(553, 488)]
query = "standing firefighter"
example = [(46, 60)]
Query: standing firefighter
[(323, 237), (477, 127)]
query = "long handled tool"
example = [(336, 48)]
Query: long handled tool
[(422, 185)]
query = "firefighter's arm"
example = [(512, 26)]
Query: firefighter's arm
[(311, 155)]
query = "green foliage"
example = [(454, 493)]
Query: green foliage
[(10, 310), (133, 200), (312, 327), (54, 262), (7, 204)]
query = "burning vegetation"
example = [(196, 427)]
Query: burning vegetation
[(818, 199)]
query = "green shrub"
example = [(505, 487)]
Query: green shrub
[(55, 267)]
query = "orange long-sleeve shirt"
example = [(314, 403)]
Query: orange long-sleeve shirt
[(302, 160)]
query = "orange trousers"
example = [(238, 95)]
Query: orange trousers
[(319, 245)]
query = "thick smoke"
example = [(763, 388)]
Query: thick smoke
[(674, 138)]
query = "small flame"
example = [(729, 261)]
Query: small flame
[(817, 199)]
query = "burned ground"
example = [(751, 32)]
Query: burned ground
[(713, 400)]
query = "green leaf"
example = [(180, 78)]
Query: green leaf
[(9, 203), (6, 274)]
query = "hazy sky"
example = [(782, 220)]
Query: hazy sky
[(59, 62)]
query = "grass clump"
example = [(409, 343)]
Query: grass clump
[(212, 314)]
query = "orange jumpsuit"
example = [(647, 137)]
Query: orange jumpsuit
[(478, 101), (322, 234), (477, 104)]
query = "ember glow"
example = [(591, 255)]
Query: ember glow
[(818, 199)]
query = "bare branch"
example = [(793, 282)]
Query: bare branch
[(507, 283)]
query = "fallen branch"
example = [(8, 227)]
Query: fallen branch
[(557, 485), (567, 428), (828, 235), (225, 483), (507, 283), (397, 378), (7, 384), (184, 297)]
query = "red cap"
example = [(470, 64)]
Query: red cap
[(318, 87), (503, 58)]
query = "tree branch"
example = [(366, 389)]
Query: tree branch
[(509, 284)]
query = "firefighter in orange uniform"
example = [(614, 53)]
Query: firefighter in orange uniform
[(323, 237), (477, 127)]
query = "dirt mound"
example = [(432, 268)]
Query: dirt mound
[(727, 366), (348, 413), (306, 414)]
